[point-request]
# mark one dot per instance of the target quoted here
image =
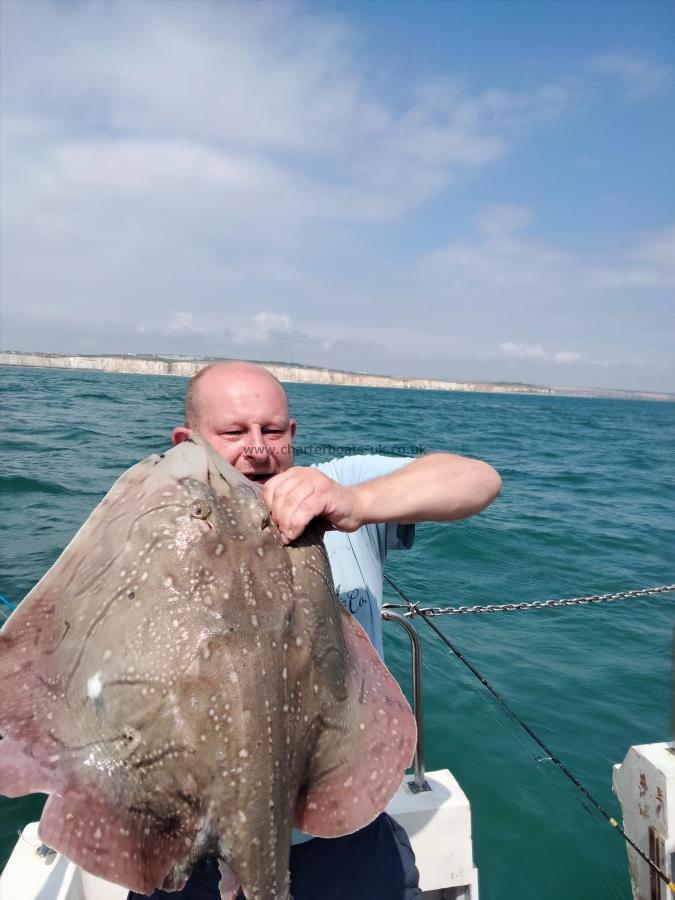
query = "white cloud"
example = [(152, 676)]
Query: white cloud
[(500, 262), (263, 327), (535, 352), (622, 277), (503, 221), (245, 178), (214, 151), (559, 308), (651, 265), (272, 112), (184, 322), (522, 351), (659, 249), (641, 77)]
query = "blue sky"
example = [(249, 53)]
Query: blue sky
[(464, 190)]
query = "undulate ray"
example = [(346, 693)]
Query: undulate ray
[(180, 682)]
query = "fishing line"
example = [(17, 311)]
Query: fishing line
[(549, 753), (552, 797), (7, 603), (546, 798)]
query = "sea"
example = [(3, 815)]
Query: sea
[(586, 508)]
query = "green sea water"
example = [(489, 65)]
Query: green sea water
[(586, 507)]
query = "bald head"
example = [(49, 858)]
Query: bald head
[(228, 376), (241, 409)]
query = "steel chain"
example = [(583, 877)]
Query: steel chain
[(415, 609)]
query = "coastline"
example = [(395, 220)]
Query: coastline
[(301, 374)]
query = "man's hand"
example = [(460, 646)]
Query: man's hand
[(439, 487), (300, 494)]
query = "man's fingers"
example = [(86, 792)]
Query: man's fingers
[(288, 497), (295, 510), (297, 496), (278, 486)]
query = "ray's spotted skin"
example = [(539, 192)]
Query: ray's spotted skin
[(181, 682)]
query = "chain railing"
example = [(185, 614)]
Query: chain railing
[(414, 609)]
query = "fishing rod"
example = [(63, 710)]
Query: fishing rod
[(516, 718)]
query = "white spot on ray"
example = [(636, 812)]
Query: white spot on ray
[(94, 686)]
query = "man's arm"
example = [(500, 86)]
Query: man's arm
[(439, 487)]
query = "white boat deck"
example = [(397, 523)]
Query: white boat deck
[(438, 823)]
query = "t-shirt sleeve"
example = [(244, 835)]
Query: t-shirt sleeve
[(351, 470), (395, 536)]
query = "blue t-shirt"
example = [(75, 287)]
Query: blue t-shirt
[(357, 559)]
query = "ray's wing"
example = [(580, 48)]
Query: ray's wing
[(367, 742)]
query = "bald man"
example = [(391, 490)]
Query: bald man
[(242, 411), (372, 504)]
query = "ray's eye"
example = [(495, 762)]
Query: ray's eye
[(200, 509)]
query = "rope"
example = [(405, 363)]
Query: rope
[(414, 609), (7, 603)]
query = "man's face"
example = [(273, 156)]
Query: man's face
[(244, 416)]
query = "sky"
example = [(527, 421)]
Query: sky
[(462, 190)]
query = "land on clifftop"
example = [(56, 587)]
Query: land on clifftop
[(150, 364)]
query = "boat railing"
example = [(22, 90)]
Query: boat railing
[(419, 782)]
